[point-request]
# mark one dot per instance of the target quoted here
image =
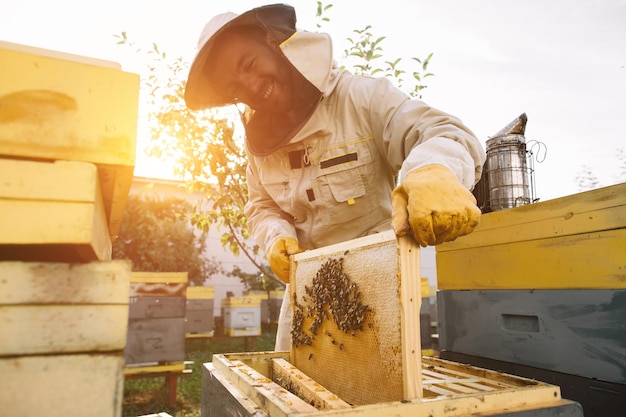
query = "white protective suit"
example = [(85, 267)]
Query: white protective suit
[(333, 181)]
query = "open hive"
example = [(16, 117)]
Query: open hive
[(265, 384), (363, 357)]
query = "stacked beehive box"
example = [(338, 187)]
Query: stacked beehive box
[(199, 314), (156, 318), (67, 152), (540, 291), (63, 328)]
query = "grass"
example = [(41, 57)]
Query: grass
[(149, 395)]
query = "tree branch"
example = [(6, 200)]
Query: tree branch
[(245, 251)]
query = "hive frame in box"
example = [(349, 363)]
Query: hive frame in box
[(384, 271), (450, 389)]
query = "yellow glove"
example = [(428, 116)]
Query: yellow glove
[(433, 203), (278, 256)]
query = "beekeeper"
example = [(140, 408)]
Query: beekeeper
[(332, 156)]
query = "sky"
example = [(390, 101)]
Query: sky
[(562, 62)]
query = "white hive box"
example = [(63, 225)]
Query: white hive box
[(242, 316)]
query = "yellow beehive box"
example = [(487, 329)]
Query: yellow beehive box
[(241, 302), (52, 212), (58, 106), (573, 242), (62, 385), (200, 293), (277, 294), (52, 308), (261, 296)]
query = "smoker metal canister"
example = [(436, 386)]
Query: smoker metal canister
[(507, 172)]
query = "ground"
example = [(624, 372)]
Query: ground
[(149, 395)]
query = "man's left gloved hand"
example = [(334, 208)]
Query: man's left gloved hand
[(278, 256), (434, 205)]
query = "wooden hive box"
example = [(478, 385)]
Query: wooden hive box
[(573, 242), (74, 385), (267, 384), (63, 330), (156, 325), (356, 325), (56, 106), (199, 312), (63, 308), (52, 212)]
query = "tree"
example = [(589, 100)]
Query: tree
[(255, 282), (157, 237), (208, 146)]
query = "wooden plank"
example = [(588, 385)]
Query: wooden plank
[(586, 261), (48, 181), (259, 361), (42, 205), (62, 385), (220, 397), (67, 226), (158, 277), (54, 106), (352, 361), (486, 376), (64, 283), (269, 396), (176, 367), (115, 181), (590, 211), (292, 379), (410, 304), (32, 329)]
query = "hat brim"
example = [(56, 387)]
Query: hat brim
[(200, 93)]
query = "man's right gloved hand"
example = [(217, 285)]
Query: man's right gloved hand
[(278, 256)]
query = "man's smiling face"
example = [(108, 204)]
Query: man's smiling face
[(247, 67)]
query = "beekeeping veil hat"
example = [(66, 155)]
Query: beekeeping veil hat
[(266, 129), (278, 19)]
